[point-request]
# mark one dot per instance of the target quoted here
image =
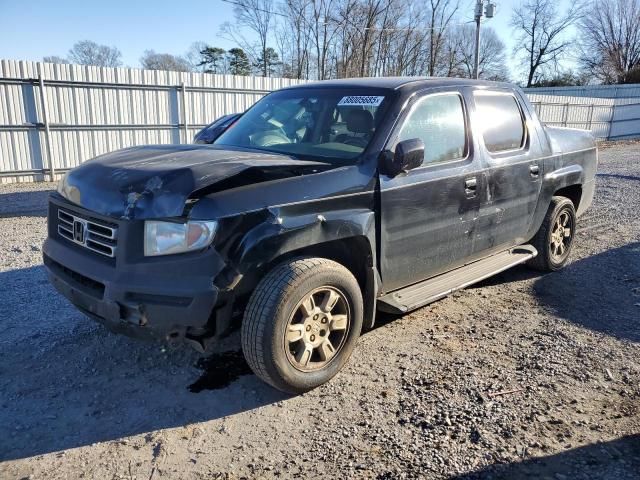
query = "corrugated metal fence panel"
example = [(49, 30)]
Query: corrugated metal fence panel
[(548, 98), (592, 91), (11, 105), (94, 110), (14, 144), (620, 120), (204, 107), (576, 112), (626, 121)]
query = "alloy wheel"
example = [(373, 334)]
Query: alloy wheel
[(561, 236), (317, 329)]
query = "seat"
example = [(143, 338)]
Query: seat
[(360, 124)]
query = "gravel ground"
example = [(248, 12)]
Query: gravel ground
[(521, 376)]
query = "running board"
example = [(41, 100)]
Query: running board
[(420, 294)]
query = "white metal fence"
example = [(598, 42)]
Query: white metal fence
[(54, 117), (611, 112)]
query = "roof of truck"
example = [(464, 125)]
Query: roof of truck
[(396, 83)]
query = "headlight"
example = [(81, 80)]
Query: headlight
[(165, 238)]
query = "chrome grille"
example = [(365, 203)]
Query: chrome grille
[(97, 237)]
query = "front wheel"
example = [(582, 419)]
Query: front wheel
[(554, 239), (302, 323)]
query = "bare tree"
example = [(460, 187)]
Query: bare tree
[(294, 36), (164, 61), (373, 10), (323, 29), (194, 57), (87, 52), (349, 38), (54, 59), (441, 13), (256, 15), (610, 40), (541, 33), (492, 58)]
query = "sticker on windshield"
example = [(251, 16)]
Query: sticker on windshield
[(360, 101)]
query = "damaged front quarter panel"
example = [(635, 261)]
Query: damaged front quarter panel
[(261, 223)]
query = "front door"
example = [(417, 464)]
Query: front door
[(427, 215)]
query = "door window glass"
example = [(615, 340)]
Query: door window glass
[(438, 120), (500, 121)]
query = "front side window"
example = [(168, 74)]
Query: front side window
[(438, 120), (331, 124), (500, 121)]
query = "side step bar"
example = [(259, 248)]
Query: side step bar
[(420, 294)]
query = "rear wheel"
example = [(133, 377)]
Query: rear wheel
[(302, 323), (554, 239)]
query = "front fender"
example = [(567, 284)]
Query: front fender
[(286, 232)]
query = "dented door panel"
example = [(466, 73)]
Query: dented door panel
[(428, 215), (513, 184)]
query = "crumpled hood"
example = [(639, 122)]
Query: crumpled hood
[(155, 181)]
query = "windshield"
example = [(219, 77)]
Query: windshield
[(324, 123)]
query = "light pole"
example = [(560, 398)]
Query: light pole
[(487, 8)]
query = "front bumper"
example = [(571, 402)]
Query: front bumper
[(158, 298)]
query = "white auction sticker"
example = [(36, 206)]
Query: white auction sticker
[(360, 101)]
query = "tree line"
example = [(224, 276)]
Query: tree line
[(323, 39)]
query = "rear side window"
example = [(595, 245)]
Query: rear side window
[(438, 120), (500, 121)]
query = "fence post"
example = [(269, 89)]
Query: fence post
[(31, 116), (174, 115), (613, 111), (591, 116), (184, 113), (45, 121), (566, 114)]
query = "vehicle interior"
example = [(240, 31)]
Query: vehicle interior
[(314, 125)]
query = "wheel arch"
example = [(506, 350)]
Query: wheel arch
[(566, 182), (572, 192), (344, 237)]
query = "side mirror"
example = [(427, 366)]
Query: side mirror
[(409, 154)]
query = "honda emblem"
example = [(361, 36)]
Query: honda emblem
[(79, 231)]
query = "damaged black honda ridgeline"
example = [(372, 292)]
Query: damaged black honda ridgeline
[(320, 205)]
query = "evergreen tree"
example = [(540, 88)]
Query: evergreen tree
[(269, 62), (238, 62), (212, 60)]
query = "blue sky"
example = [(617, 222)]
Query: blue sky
[(33, 29)]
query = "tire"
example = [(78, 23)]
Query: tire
[(546, 241), (280, 310)]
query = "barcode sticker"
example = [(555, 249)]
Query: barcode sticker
[(360, 101)]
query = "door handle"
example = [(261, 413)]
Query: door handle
[(534, 170), (470, 185)]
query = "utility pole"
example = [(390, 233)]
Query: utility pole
[(488, 11)]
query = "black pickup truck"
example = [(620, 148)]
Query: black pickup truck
[(319, 206)]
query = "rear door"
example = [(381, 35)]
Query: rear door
[(427, 215), (509, 143)]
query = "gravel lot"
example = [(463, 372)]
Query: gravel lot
[(425, 395)]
